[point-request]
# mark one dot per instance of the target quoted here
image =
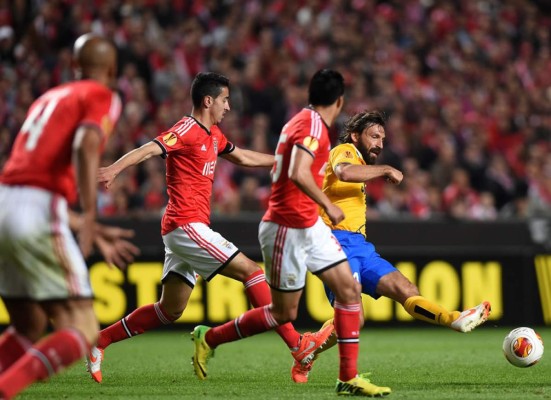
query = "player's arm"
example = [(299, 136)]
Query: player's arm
[(86, 150), (136, 156), (249, 158), (362, 173), (300, 174)]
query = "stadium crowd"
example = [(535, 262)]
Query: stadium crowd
[(467, 86)]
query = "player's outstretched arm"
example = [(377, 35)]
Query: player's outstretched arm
[(249, 158), (363, 173), (136, 156)]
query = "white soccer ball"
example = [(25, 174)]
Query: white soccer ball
[(523, 347)]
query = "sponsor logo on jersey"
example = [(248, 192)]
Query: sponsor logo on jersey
[(170, 139), (348, 154), (203, 147), (311, 143)]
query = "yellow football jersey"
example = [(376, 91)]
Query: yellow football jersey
[(349, 196)]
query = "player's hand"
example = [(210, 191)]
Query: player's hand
[(334, 213), (118, 253), (112, 243), (394, 176), (107, 175)]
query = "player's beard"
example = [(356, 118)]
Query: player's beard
[(369, 157)]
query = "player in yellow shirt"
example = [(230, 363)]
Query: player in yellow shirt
[(351, 164)]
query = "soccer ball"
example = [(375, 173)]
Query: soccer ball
[(523, 347)]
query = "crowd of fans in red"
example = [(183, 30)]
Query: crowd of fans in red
[(467, 86)]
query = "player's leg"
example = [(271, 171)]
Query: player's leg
[(258, 292), (174, 297), (338, 276), (300, 372), (28, 323), (285, 260), (178, 281), (236, 265), (252, 322), (347, 325), (397, 287), (42, 262), (75, 328), (355, 263), (264, 317)]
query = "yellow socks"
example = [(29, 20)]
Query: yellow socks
[(422, 309)]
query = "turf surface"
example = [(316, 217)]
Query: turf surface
[(417, 363)]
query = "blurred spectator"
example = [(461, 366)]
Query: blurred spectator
[(466, 84), (459, 197)]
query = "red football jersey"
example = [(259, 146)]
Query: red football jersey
[(43, 150), (288, 205), (191, 152)]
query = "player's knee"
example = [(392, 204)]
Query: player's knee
[(405, 291), (350, 293), (284, 316), (172, 307), (173, 313)]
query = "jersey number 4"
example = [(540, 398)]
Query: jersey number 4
[(38, 118)]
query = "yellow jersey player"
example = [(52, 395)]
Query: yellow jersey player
[(351, 164)]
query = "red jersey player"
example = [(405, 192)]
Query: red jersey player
[(294, 239), (191, 148), (43, 275)]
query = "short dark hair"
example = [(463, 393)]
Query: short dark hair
[(360, 122), (326, 86), (207, 84)]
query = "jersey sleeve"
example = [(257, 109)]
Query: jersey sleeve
[(343, 154), (171, 141), (308, 135), (102, 108)]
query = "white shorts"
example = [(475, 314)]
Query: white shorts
[(193, 249), (39, 257), (289, 252)]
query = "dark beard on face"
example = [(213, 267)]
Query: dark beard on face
[(369, 158)]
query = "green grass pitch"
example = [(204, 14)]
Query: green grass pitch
[(417, 363)]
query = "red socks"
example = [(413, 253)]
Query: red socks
[(12, 346), (347, 325), (139, 321), (259, 295), (252, 322), (49, 356)]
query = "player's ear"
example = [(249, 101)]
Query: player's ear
[(340, 103), (207, 101)]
